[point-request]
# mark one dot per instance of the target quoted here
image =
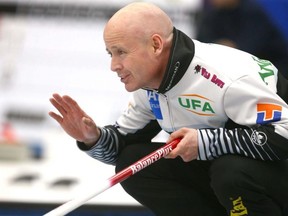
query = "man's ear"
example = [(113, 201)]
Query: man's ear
[(157, 44)]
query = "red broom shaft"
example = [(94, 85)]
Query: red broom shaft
[(117, 178)]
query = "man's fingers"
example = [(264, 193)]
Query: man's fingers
[(72, 104), (174, 153), (58, 118), (58, 106), (68, 100), (61, 103)]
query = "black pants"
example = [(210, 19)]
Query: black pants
[(230, 185)]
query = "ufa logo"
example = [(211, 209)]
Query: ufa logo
[(197, 104), (267, 113)]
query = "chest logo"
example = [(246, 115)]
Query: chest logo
[(197, 104), (207, 75), (154, 104)]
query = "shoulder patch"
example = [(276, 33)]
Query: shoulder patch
[(267, 113)]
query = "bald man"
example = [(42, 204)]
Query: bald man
[(221, 102)]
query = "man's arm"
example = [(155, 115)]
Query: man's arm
[(111, 141), (259, 142), (261, 129)]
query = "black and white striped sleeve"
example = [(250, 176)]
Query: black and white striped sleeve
[(107, 147), (260, 142)]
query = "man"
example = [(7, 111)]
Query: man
[(220, 101)]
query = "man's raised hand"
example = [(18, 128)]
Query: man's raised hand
[(74, 120)]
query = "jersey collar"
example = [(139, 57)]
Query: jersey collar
[(181, 55)]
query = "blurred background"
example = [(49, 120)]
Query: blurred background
[(49, 46)]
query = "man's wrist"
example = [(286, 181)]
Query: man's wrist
[(88, 144), (93, 141)]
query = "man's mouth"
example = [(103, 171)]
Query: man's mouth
[(123, 78)]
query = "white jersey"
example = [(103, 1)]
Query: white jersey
[(228, 95)]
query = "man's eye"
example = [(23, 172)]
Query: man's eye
[(120, 52), (110, 54)]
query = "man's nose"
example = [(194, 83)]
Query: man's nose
[(115, 65)]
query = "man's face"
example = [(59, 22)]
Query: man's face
[(132, 59)]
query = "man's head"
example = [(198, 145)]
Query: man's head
[(138, 37)]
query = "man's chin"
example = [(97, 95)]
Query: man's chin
[(131, 88)]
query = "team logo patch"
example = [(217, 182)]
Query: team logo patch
[(267, 113), (197, 104), (259, 138), (154, 104)]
